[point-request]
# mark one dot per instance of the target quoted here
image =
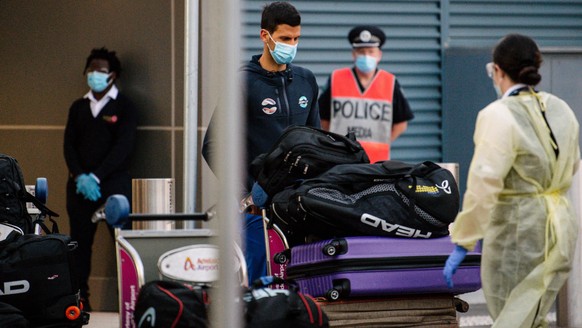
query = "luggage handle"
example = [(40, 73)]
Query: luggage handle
[(349, 140), (117, 213), (413, 173)]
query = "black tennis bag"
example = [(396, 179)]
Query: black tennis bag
[(304, 152), (390, 198), (37, 277), (171, 304), (281, 308), (12, 317)]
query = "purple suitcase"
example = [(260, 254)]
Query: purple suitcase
[(379, 266)]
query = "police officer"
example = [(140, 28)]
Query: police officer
[(364, 99)]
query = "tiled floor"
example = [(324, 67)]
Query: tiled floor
[(478, 317), (103, 320)]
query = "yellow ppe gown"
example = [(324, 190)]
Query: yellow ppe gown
[(516, 202)]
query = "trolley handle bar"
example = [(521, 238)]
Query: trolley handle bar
[(207, 216)]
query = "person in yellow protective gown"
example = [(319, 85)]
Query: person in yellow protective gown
[(526, 153)]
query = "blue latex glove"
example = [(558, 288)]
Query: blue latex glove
[(455, 258), (88, 186), (260, 197)]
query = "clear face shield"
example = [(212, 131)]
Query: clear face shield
[(490, 69)]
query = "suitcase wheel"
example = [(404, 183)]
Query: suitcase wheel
[(335, 247), (282, 257), (341, 288), (333, 294), (329, 250), (73, 312)]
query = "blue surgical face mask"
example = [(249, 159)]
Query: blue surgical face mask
[(366, 64), (283, 53), (97, 81)]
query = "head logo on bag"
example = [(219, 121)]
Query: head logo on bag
[(396, 229), (15, 287), (149, 317), (445, 187)]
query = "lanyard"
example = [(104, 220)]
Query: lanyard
[(553, 142)]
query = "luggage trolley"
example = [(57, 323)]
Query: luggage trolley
[(71, 307), (277, 247), (146, 255)]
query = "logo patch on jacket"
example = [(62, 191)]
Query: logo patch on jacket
[(110, 119), (303, 102), (269, 106)]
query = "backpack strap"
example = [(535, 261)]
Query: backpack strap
[(28, 197), (44, 227)]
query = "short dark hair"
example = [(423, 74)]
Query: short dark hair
[(519, 56), (109, 56), (277, 13)]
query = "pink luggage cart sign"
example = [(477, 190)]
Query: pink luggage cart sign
[(129, 289)]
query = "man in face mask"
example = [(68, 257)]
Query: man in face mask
[(277, 94), (365, 100), (98, 144)]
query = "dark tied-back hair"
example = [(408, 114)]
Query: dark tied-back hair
[(519, 56), (109, 56), (277, 13)]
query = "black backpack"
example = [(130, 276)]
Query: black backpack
[(171, 304), (37, 276), (303, 152), (390, 199), (281, 308), (14, 196)]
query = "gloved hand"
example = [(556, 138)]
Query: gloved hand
[(455, 258), (88, 186), (260, 197)]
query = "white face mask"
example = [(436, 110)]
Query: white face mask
[(490, 68), (497, 90)]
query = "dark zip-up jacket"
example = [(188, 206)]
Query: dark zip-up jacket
[(273, 101)]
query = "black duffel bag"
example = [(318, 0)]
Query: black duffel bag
[(12, 317), (171, 304), (281, 308), (37, 277), (391, 198), (304, 152)]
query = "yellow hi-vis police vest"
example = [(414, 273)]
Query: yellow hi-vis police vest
[(368, 114)]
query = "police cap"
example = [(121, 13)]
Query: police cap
[(366, 36)]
